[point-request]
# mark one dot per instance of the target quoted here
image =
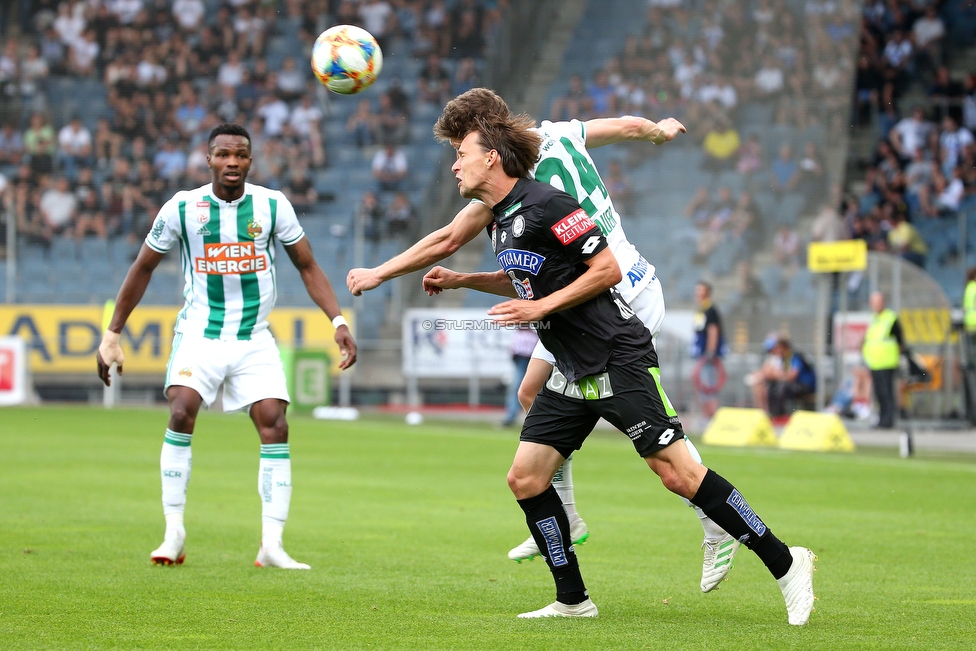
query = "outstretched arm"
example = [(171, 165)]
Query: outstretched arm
[(320, 290), (606, 131), (440, 244), (131, 292), (491, 282)]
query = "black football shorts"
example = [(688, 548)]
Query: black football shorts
[(629, 397)]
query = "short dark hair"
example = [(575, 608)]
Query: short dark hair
[(481, 110), (228, 129)]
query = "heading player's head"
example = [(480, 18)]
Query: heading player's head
[(229, 158), (459, 116), (490, 141)]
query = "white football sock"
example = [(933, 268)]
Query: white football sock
[(274, 486), (562, 481), (712, 530), (175, 461)]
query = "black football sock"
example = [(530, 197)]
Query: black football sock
[(549, 525), (725, 505)]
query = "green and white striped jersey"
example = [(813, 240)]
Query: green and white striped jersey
[(228, 255), (565, 164)]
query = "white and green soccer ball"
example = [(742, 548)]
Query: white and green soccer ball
[(346, 59)]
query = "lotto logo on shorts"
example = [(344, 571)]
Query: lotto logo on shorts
[(572, 226), (737, 502), (222, 258), (554, 541)]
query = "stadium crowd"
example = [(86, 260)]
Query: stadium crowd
[(170, 70)]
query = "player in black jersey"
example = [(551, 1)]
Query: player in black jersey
[(560, 276)]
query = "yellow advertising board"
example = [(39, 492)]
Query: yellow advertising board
[(846, 255), (64, 338), (738, 427), (813, 431)]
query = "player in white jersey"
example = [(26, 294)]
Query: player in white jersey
[(225, 232), (564, 163)]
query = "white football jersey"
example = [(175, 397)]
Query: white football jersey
[(565, 164), (228, 255)]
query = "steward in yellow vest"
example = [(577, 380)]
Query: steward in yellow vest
[(969, 302), (883, 345)]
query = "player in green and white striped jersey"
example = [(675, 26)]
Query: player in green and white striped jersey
[(225, 232), (564, 163)]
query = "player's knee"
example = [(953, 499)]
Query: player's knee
[(523, 485), (677, 482), (180, 418), (277, 432)]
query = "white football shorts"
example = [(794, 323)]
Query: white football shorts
[(249, 370), (648, 305)]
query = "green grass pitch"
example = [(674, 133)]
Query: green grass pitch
[(406, 529)]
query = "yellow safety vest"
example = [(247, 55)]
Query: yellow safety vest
[(880, 350), (969, 307)]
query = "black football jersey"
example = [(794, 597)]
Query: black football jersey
[(541, 237)]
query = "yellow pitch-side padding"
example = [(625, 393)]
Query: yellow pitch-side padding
[(739, 427), (811, 431)]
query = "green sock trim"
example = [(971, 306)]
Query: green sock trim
[(275, 451), (177, 438)]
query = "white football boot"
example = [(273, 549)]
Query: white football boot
[(719, 559), (276, 556), (171, 551), (528, 550), (797, 586), (557, 609)]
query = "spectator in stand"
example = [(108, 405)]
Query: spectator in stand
[(249, 30), (291, 80), (275, 114), (905, 241), (603, 97), (434, 81), (40, 144), (400, 216), (11, 145), (948, 193), (378, 18), (466, 76), (189, 15), (197, 167), (749, 156), (720, 146), (812, 181), (370, 216), (391, 123), (70, 22), (928, 33), (619, 187), (231, 71), (91, 219), (300, 190), (574, 104), (58, 209), (361, 125), (944, 94), (169, 162), (769, 80), (785, 171), (868, 89), (952, 142), (828, 225), (898, 54), (190, 113), (83, 54), (467, 39), (34, 72), (699, 209), (786, 246), (74, 147), (390, 168)]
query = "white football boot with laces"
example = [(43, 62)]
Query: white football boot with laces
[(557, 609), (276, 556), (171, 551), (719, 559), (528, 550), (797, 586)]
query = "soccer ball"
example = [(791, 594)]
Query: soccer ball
[(346, 59)]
